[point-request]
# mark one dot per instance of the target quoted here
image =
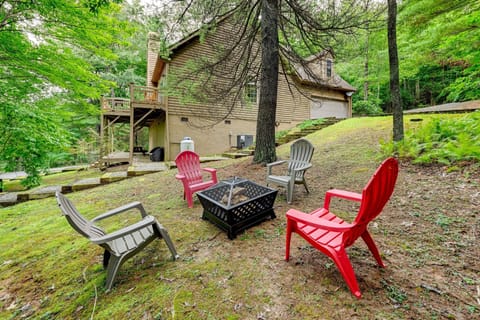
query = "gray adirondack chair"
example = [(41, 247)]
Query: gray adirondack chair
[(301, 152), (120, 244)]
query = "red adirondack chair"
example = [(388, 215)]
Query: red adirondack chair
[(332, 235), (190, 173)]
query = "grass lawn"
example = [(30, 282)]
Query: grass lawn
[(428, 236)]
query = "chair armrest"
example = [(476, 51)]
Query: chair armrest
[(276, 163), (272, 164), (129, 206), (320, 223), (147, 221), (303, 168), (213, 172), (354, 196), (180, 176)]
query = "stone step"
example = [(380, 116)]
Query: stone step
[(8, 198), (141, 168), (110, 177), (85, 184), (138, 169), (40, 193), (235, 155)]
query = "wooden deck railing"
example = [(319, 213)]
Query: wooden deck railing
[(142, 94), (138, 94), (115, 104)]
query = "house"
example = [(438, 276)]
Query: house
[(216, 127)]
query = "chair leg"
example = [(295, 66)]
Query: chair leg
[(290, 187), (305, 185), (288, 238), (373, 248), (166, 237), (345, 267), (189, 197), (112, 269)]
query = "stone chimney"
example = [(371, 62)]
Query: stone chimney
[(153, 46)]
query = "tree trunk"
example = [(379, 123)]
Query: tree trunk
[(265, 135), (394, 73)]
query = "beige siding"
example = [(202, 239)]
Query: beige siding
[(192, 52), (207, 141), (157, 134)]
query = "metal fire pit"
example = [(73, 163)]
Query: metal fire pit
[(237, 204)]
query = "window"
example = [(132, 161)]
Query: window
[(329, 68), (251, 92)]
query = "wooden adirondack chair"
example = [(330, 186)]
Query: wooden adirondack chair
[(190, 174), (120, 244), (332, 235), (301, 152)]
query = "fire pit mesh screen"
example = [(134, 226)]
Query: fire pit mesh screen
[(255, 203)]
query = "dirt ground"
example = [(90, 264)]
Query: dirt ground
[(428, 236)]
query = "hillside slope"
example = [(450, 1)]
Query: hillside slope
[(428, 236)]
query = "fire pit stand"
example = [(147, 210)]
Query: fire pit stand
[(237, 204)]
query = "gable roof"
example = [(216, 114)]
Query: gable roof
[(196, 33), (308, 72), (311, 70)]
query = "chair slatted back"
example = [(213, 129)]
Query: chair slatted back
[(188, 164), (375, 196), (301, 152), (76, 220)]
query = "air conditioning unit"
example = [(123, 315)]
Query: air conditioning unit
[(244, 141)]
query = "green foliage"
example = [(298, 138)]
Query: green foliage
[(395, 294), (310, 122), (444, 34), (439, 51), (27, 136), (366, 107), (441, 140), (52, 57), (466, 87)]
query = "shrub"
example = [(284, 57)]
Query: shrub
[(366, 107)]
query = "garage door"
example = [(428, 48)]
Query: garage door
[(322, 108)]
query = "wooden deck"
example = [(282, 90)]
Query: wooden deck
[(449, 107)]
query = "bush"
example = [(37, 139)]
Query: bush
[(366, 108)]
